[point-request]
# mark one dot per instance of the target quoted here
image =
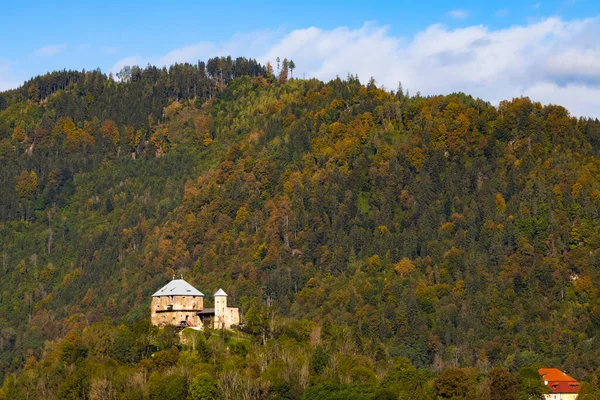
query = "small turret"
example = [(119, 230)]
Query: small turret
[(220, 308)]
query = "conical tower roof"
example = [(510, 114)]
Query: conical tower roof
[(220, 292)]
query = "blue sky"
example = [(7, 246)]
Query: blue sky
[(434, 46)]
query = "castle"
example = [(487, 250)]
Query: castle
[(179, 303)]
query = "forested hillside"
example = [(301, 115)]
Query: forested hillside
[(379, 245)]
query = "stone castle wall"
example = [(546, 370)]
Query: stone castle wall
[(231, 316), (171, 310), (225, 316)]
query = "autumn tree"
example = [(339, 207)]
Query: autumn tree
[(453, 383), (503, 385), (110, 133), (283, 74), (19, 134)]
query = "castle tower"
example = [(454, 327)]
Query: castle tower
[(221, 309)]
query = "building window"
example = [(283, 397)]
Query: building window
[(172, 297)]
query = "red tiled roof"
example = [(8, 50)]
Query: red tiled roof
[(563, 387), (555, 374), (558, 381)]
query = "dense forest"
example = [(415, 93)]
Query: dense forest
[(379, 245)]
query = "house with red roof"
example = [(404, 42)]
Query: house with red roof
[(562, 386)]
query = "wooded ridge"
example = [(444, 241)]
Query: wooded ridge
[(379, 245)]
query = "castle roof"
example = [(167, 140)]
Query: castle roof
[(178, 287), (220, 292)]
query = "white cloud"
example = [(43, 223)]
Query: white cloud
[(585, 100), (574, 64), (550, 60), (369, 51), (458, 14), (50, 50)]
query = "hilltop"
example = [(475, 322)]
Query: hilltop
[(372, 239)]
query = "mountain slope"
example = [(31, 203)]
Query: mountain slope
[(353, 227)]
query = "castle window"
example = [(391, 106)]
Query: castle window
[(172, 297)]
